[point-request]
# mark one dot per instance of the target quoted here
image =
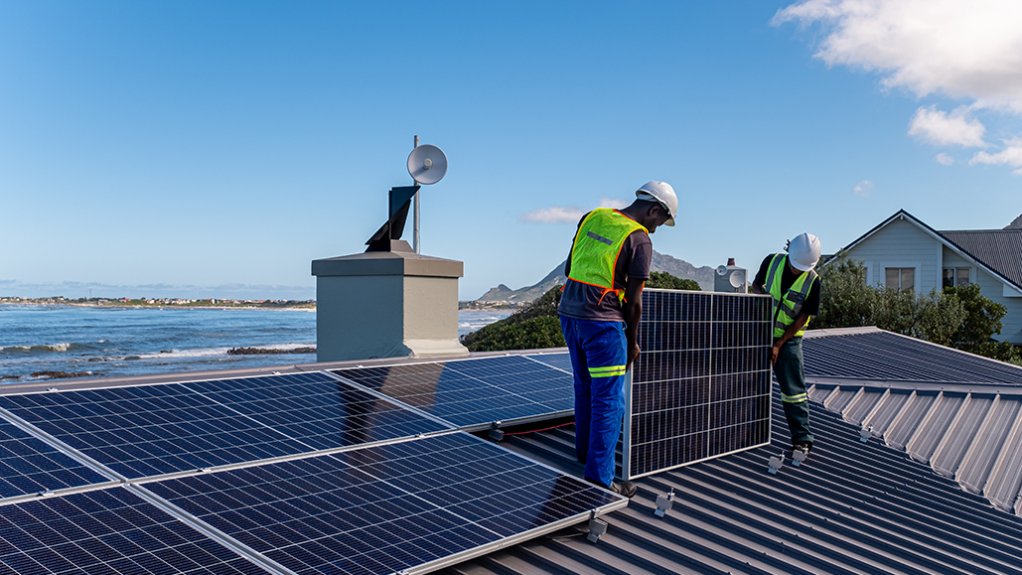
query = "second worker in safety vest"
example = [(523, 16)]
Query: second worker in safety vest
[(790, 278), (607, 268)]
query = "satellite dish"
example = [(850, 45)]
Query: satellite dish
[(737, 279), (721, 270), (427, 164)]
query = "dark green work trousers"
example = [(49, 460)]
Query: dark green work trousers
[(790, 374)]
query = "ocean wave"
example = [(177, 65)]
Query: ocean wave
[(214, 351), (42, 348)]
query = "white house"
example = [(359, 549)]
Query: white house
[(903, 252)]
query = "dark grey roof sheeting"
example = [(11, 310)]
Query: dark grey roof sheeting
[(877, 355), (1000, 250), (853, 508)]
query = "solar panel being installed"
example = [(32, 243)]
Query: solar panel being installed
[(149, 430), (30, 466), (110, 531), (414, 505), (701, 387), (474, 393)]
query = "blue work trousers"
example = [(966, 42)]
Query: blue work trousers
[(790, 373), (598, 351)]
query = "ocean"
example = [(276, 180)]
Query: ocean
[(109, 341)]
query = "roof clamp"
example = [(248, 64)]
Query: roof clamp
[(664, 503), (52, 389), (496, 433), (47, 493), (866, 433), (597, 527), (776, 461)]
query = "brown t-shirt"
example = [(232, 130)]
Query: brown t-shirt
[(582, 301)]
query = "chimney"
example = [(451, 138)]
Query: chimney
[(393, 303)]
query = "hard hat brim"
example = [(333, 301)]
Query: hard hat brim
[(801, 267)]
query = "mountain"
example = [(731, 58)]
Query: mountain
[(661, 263)]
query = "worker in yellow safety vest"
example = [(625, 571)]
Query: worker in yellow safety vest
[(790, 278), (600, 308)]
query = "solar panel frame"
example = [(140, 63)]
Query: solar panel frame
[(323, 521), (471, 386), (695, 337)]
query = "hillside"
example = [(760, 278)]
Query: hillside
[(661, 263)]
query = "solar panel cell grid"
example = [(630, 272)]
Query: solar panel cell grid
[(107, 531), (385, 508), (29, 465), (473, 393), (149, 430), (702, 383)]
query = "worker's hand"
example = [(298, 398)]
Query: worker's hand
[(633, 354), (774, 350)]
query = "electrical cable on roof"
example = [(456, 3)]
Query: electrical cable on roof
[(539, 430)]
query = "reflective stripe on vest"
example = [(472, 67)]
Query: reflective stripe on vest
[(787, 308), (597, 246)]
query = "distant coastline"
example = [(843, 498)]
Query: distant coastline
[(180, 303)]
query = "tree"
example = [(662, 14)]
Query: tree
[(846, 300), (664, 280), (537, 325), (958, 317)]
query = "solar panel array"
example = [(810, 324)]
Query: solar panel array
[(387, 508), (474, 393), (701, 386), (300, 472), (150, 430)]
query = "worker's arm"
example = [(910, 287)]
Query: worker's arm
[(789, 333), (632, 309), (757, 289)]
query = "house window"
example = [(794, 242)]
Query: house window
[(956, 277), (901, 279)]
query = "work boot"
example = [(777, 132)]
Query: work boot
[(800, 452), (626, 488)]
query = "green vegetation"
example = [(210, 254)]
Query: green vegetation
[(958, 317), (537, 326)]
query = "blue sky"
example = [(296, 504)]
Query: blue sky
[(219, 147)]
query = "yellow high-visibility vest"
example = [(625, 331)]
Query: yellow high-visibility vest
[(787, 306), (597, 245)]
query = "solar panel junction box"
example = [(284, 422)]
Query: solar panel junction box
[(664, 503)]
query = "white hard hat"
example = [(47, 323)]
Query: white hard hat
[(661, 192), (804, 251)]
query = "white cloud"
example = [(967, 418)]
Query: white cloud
[(554, 215), (863, 188), (612, 203), (942, 128), (967, 50), (567, 215), (944, 159), (1010, 155), (970, 52)]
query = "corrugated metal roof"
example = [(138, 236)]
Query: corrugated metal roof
[(1000, 250), (878, 355), (853, 508)]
